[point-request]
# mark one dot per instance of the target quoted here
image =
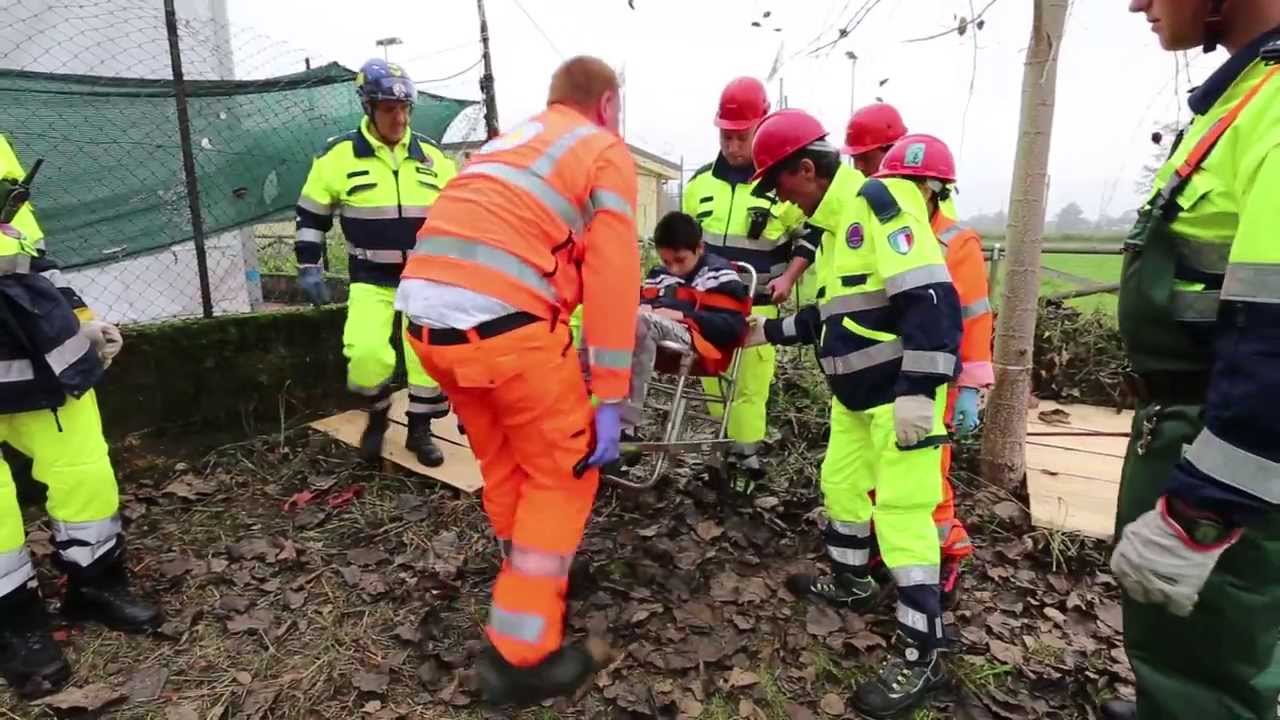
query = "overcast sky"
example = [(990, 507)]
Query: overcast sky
[(1114, 83)]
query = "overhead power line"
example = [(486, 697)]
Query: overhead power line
[(460, 73), (538, 27)]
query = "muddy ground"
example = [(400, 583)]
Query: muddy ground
[(365, 595)]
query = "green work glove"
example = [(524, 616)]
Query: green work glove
[(1158, 562)]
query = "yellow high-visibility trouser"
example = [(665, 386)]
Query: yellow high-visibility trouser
[(371, 358)]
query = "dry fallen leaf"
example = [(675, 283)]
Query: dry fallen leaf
[(146, 684), (180, 712), (366, 557), (821, 620), (233, 603), (739, 678), (1111, 614), (1004, 652), (708, 530), (371, 682), (90, 698), (832, 704), (294, 600)]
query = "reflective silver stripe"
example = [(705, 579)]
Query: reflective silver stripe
[(387, 257), (860, 359), (1209, 257), (913, 619), (310, 205), (18, 263), (944, 530), (852, 529), (16, 371), (742, 449), (611, 359), (421, 408), (946, 236), (488, 255), (538, 563), (1238, 468), (545, 164), (805, 243), (56, 277), (1252, 282), (937, 363), (504, 547), (426, 392), (1195, 306), (853, 303), (414, 211), (526, 627), (372, 212), (908, 575), (849, 556), (916, 277), (89, 540), (536, 186), (975, 309), (66, 354), (15, 570), (742, 242), (310, 235), (601, 199), (789, 326)]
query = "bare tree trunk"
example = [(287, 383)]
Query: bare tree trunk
[(1004, 436)]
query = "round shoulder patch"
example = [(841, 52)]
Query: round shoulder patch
[(515, 137), (854, 236), (901, 240)]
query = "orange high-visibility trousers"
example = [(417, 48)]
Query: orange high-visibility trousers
[(951, 533), (528, 417)]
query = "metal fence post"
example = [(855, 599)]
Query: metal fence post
[(188, 157)]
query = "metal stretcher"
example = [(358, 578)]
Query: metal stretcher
[(675, 365)]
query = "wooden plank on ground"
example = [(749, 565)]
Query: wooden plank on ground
[(1073, 480), (459, 469), (1063, 501)]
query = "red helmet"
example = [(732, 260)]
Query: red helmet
[(922, 156), (781, 134), (871, 127), (742, 103)]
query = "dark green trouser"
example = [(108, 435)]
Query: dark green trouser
[(1221, 662)]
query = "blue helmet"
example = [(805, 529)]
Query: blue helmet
[(381, 80)]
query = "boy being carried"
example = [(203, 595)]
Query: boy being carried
[(693, 298)]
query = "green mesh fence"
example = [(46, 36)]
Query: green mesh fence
[(113, 185)]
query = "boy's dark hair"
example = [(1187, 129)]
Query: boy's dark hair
[(678, 231)]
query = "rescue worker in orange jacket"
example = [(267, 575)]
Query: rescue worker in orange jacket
[(540, 221), (928, 161)]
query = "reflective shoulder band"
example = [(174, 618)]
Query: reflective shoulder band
[(977, 308), (489, 256), (600, 200), (916, 277)]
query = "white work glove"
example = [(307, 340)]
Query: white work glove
[(913, 419), (1157, 562), (755, 332), (104, 337)]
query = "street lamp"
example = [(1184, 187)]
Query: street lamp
[(387, 42), (853, 70)]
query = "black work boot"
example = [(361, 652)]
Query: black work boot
[(748, 472), (560, 673), (842, 590), (30, 661), (100, 593), (904, 683), (421, 443), (1119, 710), (371, 438)]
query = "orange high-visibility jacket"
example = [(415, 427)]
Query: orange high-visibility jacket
[(543, 219), (962, 248)]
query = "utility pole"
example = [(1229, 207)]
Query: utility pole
[(853, 78), (486, 79), (386, 43)]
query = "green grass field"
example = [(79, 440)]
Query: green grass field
[(1062, 272)]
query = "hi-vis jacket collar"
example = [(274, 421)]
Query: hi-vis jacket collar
[(831, 213), (1205, 96), (362, 143), (722, 170)]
